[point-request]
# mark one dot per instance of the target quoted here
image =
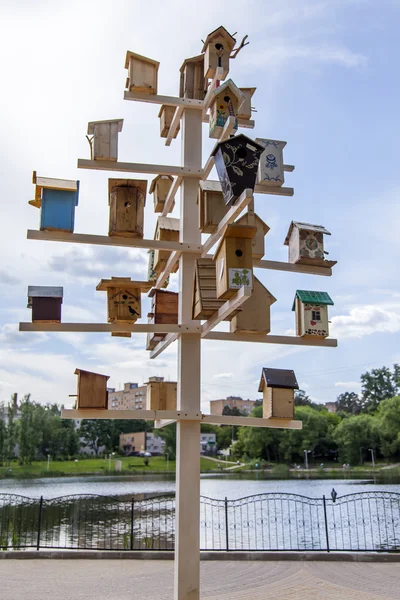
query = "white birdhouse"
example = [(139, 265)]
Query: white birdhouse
[(270, 167), (104, 144)]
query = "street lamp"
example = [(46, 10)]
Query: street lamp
[(372, 456), (306, 453), (48, 461), (109, 460), (167, 455)]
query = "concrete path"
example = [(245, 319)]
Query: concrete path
[(227, 580)]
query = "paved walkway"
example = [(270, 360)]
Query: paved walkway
[(223, 580)]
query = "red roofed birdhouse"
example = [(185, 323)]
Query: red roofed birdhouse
[(45, 302), (92, 390), (104, 143), (217, 50), (126, 198), (160, 187), (142, 73), (57, 199), (277, 386), (226, 102), (306, 244), (312, 313)]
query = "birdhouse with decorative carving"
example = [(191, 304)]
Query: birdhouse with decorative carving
[(236, 161), (92, 390), (258, 242), (45, 302), (212, 207), (306, 244), (226, 101), (152, 274), (142, 73), (104, 143), (270, 169), (234, 260), (277, 387), (192, 82), (312, 313), (245, 109), (166, 114), (161, 395), (255, 314), (57, 199), (167, 229), (160, 187), (126, 199), (164, 311), (205, 301), (217, 50)]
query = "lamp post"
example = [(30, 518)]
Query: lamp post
[(48, 461), (167, 455), (306, 453), (109, 460), (372, 456)]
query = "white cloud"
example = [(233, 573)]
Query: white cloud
[(349, 385), (280, 52), (366, 320)]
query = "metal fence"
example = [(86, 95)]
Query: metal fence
[(368, 521)]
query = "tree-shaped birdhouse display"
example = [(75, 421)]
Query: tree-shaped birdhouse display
[(258, 242), (205, 301), (246, 108), (57, 199), (234, 260), (159, 187), (217, 50), (277, 386), (166, 115), (142, 73), (104, 143), (312, 313), (92, 390), (164, 311), (226, 102), (212, 208), (306, 244), (270, 169), (236, 161), (167, 229), (255, 314), (45, 302), (126, 198), (161, 395), (192, 84)]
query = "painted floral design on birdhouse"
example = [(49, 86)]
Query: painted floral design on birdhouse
[(271, 171), (226, 102), (306, 244), (239, 278)]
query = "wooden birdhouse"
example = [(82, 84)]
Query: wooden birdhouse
[(92, 390), (277, 386), (236, 161), (192, 83), (270, 168), (306, 244), (104, 143), (126, 198), (57, 199), (226, 102), (234, 260), (212, 207), (217, 50), (205, 301), (166, 114), (312, 313), (245, 108), (258, 242), (45, 303), (142, 73), (255, 314), (160, 187), (167, 229), (161, 395), (152, 274), (164, 311)]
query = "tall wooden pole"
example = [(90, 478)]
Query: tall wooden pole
[(187, 532)]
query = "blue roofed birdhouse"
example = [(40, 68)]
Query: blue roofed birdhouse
[(57, 199)]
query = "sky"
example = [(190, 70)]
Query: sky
[(326, 73)]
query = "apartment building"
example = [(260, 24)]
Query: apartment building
[(141, 441), (132, 397), (245, 406)]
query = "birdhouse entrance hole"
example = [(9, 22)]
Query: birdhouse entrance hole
[(239, 253), (241, 153)]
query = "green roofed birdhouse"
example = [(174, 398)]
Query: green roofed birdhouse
[(192, 82), (277, 386), (164, 311), (160, 187), (258, 242), (92, 390), (104, 143), (212, 207), (236, 161), (234, 260), (167, 229), (270, 168), (226, 102), (306, 244), (246, 108), (45, 302), (142, 73), (255, 314), (57, 199), (312, 313), (166, 114), (161, 395), (217, 50), (126, 198)]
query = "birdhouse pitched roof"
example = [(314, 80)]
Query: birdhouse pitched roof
[(195, 59), (267, 142), (141, 184), (140, 58), (308, 297), (79, 371), (260, 224), (232, 87), (304, 226), (51, 183), (260, 288), (278, 378), (91, 125), (250, 90), (167, 223), (154, 182), (236, 140), (220, 32), (123, 283), (43, 291)]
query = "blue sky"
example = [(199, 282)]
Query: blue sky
[(327, 83)]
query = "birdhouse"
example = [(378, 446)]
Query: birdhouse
[(92, 390), (160, 187), (234, 261), (192, 83), (226, 101), (270, 168), (166, 114), (258, 242), (306, 244), (45, 303), (277, 386), (167, 229), (152, 274), (164, 311), (212, 208), (57, 199), (255, 314), (142, 73), (104, 143), (205, 301), (217, 50), (236, 161), (126, 199), (312, 313), (245, 109), (161, 395)]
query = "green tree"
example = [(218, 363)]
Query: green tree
[(3, 433), (355, 435), (378, 385), (28, 434), (301, 398), (96, 434), (168, 434), (388, 418), (349, 402), (11, 434)]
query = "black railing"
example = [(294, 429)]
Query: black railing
[(368, 521)]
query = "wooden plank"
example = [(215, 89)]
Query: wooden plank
[(271, 339), (252, 422), (171, 196), (111, 327), (219, 73), (228, 129), (53, 183), (168, 269), (149, 415), (215, 186), (244, 123), (106, 165), (161, 346), (226, 309), (160, 423), (174, 125), (167, 100), (274, 265)]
